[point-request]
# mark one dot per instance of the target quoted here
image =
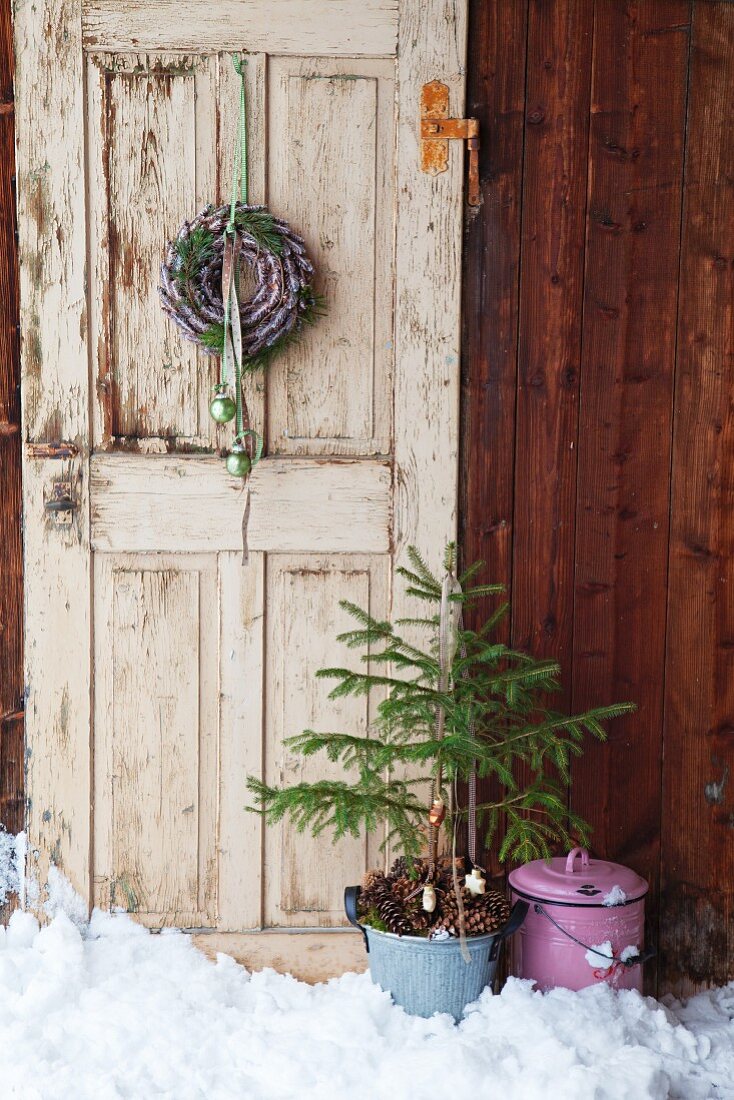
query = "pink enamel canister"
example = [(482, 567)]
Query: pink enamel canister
[(585, 923)]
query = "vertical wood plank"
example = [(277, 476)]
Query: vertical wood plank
[(309, 608), (152, 385), (343, 407), (551, 287), (432, 43), (560, 33), (241, 718), (625, 422), (496, 96), (52, 224), (103, 765), (697, 903), (11, 556), (58, 706), (428, 296), (102, 373), (51, 220)]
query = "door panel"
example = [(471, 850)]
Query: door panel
[(155, 745), (193, 648), (151, 162), (334, 120), (304, 880)]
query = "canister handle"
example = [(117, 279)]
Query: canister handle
[(570, 868)]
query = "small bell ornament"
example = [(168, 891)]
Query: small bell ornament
[(428, 900), (475, 883), (222, 408), (437, 813), (238, 461)]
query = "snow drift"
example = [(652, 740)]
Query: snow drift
[(109, 1010)]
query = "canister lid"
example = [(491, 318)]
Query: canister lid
[(577, 880)]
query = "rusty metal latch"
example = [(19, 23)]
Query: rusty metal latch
[(61, 503), (437, 129)]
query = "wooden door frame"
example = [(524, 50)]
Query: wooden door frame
[(11, 551)]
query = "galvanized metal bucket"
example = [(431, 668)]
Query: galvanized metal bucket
[(428, 976)]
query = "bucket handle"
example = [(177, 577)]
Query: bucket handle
[(351, 897), (570, 862), (633, 960), (517, 916)]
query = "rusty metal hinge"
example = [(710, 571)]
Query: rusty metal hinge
[(57, 449), (437, 129)]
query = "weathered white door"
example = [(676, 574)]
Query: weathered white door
[(161, 667)]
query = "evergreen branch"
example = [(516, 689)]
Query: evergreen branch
[(260, 225), (494, 719), (424, 573), (341, 807), (192, 253)]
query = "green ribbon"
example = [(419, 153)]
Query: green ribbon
[(257, 443), (232, 345)]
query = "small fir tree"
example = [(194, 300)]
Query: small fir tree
[(486, 717)]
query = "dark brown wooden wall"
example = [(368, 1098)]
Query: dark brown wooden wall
[(598, 456), (11, 665)]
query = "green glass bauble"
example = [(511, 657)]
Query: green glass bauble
[(222, 408), (238, 462)]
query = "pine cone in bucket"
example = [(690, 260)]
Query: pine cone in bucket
[(406, 868), (486, 913), (483, 913), (375, 886), (393, 902), (393, 915)]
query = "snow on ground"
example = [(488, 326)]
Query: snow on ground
[(110, 1010), (12, 864)]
